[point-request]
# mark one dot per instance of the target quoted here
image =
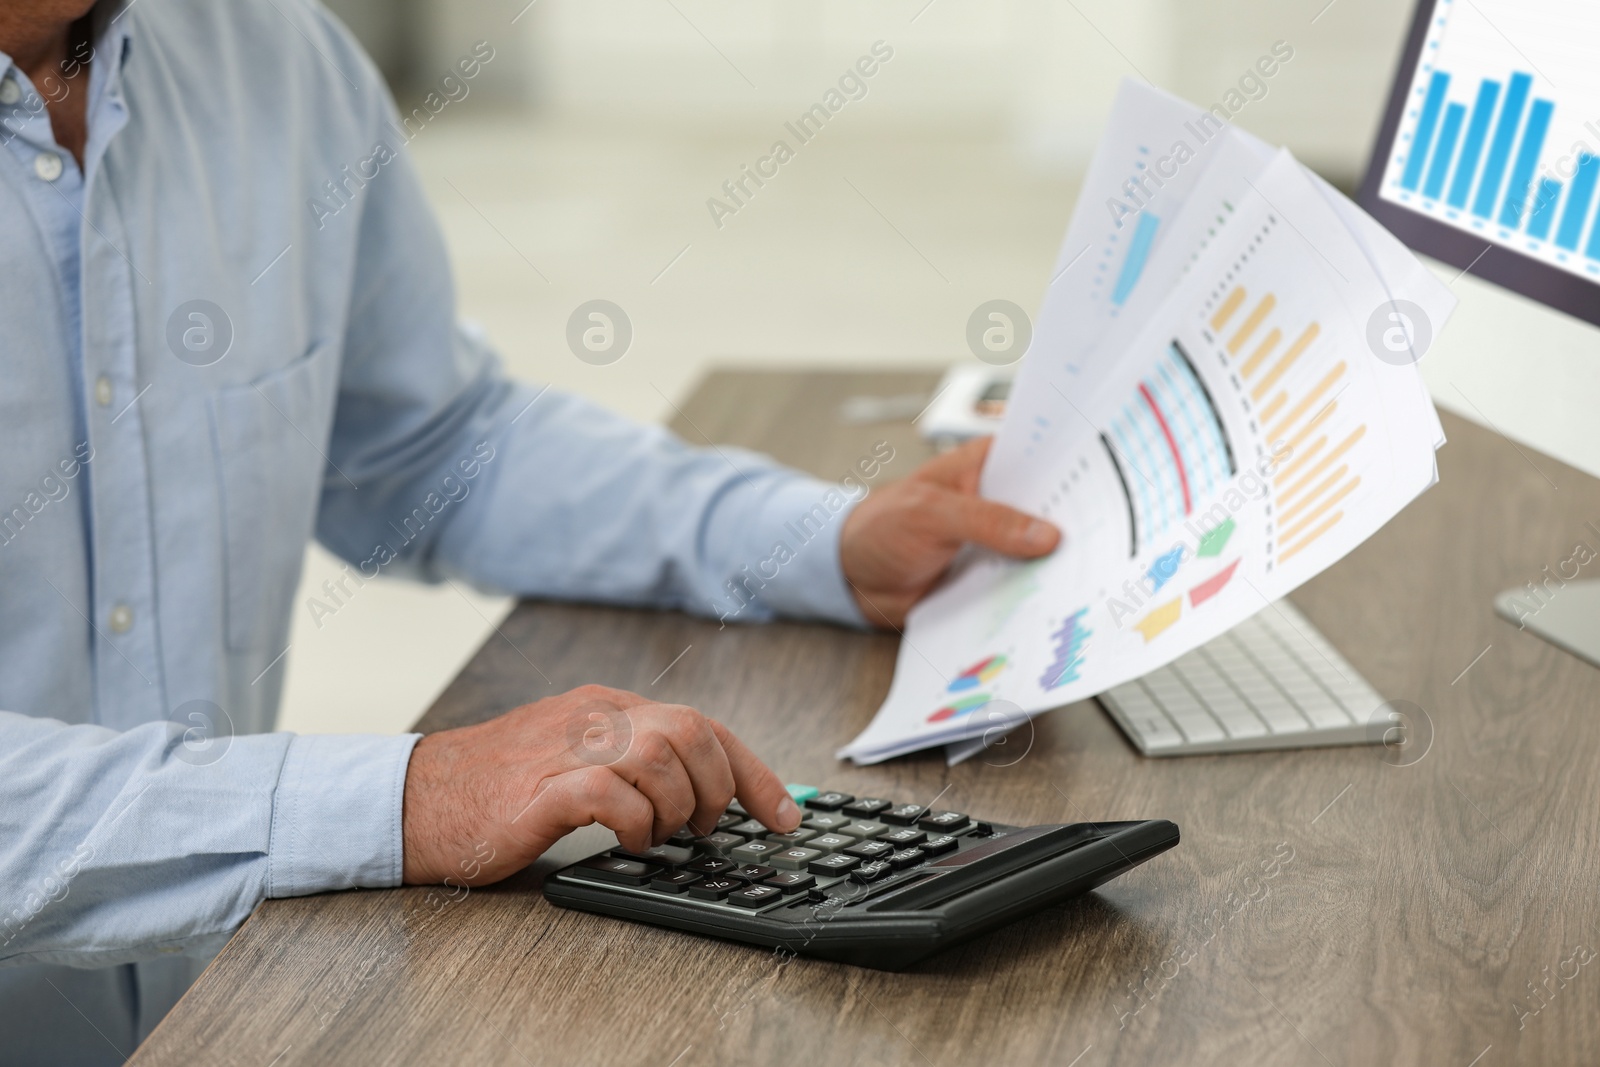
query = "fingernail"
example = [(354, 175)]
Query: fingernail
[(789, 814), (1039, 534)]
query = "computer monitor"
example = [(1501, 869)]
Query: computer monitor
[(1489, 159)]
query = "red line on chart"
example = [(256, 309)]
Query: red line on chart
[(1166, 431)]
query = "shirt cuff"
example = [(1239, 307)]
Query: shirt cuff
[(798, 552), (336, 814)]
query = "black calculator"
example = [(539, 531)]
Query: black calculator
[(864, 880)]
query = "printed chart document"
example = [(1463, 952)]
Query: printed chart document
[(1224, 404)]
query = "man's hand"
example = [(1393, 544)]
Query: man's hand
[(899, 540), (484, 801)]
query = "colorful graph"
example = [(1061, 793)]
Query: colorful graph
[(1213, 585), (1300, 416), (1130, 240), (1216, 539), (979, 674), (1170, 436), (1157, 622), (1165, 566), (1070, 639)]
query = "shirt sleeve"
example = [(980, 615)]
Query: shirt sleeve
[(122, 846), (447, 469)]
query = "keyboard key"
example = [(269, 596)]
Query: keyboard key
[(736, 808), (870, 850), (904, 838), (865, 828), (831, 842), (943, 821), (617, 871), (714, 888), (793, 837), (801, 794), (718, 842), (710, 866), (665, 855), (729, 819), (867, 807), (903, 814), (907, 857), (755, 896), (827, 822), (794, 859), (871, 871), (755, 851), (837, 863), (792, 881), (938, 846), (749, 828), (673, 881), (684, 838), (751, 872), (829, 801)]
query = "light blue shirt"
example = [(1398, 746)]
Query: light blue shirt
[(166, 460)]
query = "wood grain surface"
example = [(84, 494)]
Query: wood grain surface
[(1325, 906)]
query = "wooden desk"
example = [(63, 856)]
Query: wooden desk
[(1419, 903)]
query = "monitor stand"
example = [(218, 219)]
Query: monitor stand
[(1569, 618)]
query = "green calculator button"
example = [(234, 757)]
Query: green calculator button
[(802, 793)]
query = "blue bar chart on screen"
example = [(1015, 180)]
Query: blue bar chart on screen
[(1498, 146)]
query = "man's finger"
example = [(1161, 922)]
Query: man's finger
[(703, 758), (655, 769), (959, 468), (593, 795), (762, 794), (995, 526)]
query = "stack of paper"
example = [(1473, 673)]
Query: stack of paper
[(1220, 401)]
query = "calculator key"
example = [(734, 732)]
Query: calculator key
[(943, 821), (870, 850), (751, 872), (793, 837), (729, 819), (794, 859), (791, 881), (754, 851), (616, 870), (802, 794), (905, 838), (736, 808), (826, 822), (837, 863), (903, 814), (665, 855), (867, 807), (755, 896), (748, 828), (710, 866), (871, 871), (718, 842), (865, 828), (831, 842), (938, 846), (907, 857), (673, 881), (714, 888), (829, 801), (684, 838)]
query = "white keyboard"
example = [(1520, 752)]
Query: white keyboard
[(1272, 681)]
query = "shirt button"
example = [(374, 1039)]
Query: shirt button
[(10, 91), (47, 165), (121, 619), (102, 391)]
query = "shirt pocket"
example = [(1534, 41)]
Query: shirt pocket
[(270, 436)]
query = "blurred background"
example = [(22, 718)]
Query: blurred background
[(579, 161)]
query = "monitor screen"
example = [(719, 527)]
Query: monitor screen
[(1489, 153)]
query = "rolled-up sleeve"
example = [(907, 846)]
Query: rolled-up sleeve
[(122, 846)]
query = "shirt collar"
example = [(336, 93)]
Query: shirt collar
[(110, 35)]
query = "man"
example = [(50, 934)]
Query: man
[(227, 325)]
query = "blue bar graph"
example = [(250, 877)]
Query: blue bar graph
[(1578, 198), (1592, 249), (1527, 159), (1472, 150), (1144, 232), (1505, 132), (1544, 208), (1420, 143), (1454, 115)]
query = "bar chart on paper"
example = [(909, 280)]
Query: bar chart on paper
[(1497, 140)]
